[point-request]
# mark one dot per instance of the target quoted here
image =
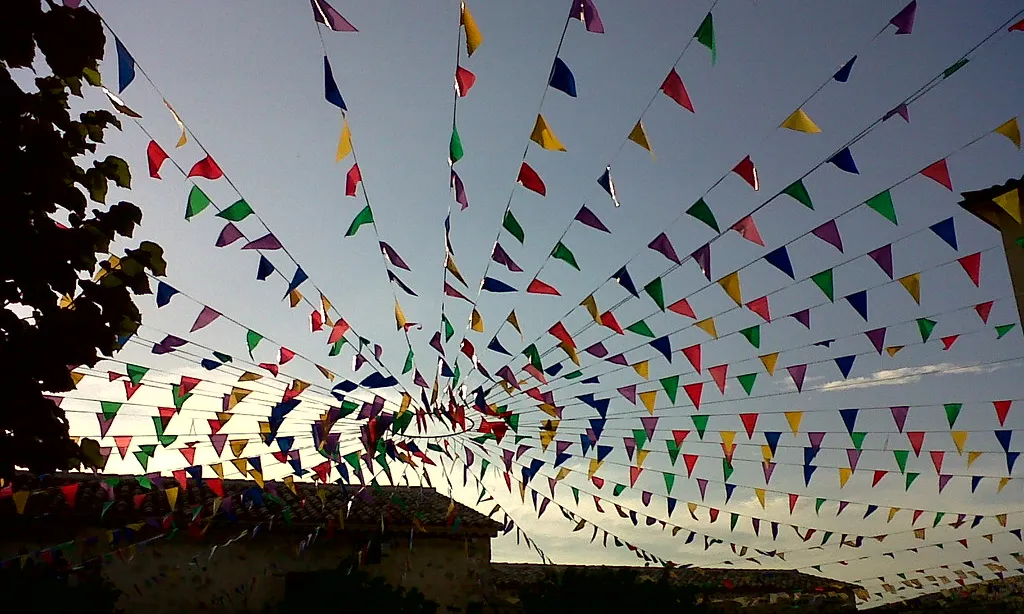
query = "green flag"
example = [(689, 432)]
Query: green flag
[(363, 217), (670, 480), (671, 386), (110, 409), (733, 519), (179, 399), (952, 411), (705, 35), (448, 329), (798, 191), (574, 374), (1002, 330), (747, 381), (701, 424), (955, 67), (511, 224), (702, 212), (455, 151), (575, 494), (901, 459), (656, 291), (336, 347), (753, 335), (534, 356), (857, 439), (640, 435), (136, 373), (142, 458), (824, 282), (561, 252), (197, 202), (673, 451), (640, 328), (925, 327), (727, 468), (882, 203), (817, 504), (252, 339), (618, 490), (408, 362), (238, 211)]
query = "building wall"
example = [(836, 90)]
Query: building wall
[(249, 575)]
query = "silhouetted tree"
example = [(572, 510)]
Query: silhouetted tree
[(50, 242), (595, 590)]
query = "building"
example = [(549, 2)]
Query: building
[(184, 545), (1000, 207)]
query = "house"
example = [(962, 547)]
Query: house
[(173, 547), (186, 545), (999, 206), (997, 595)]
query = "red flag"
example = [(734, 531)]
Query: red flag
[(692, 354), (916, 441), (531, 180), (464, 80), (879, 474), (1018, 27), (674, 89), (937, 456), (538, 287), (69, 491), (694, 392), (338, 332), (187, 384), (947, 342), (352, 180), (156, 156), (760, 307), (984, 309), (749, 423), (189, 453), (316, 321), (206, 168), (558, 332), (608, 320), (792, 501), (746, 170), (216, 485), (690, 460), (269, 366), (181, 477), (718, 374), (972, 266), (1002, 410), (682, 307), (286, 355), (939, 173)]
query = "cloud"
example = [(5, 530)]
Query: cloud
[(905, 375)]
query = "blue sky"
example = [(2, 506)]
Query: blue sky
[(247, 79)]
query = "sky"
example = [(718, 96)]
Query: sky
[(247, 79)]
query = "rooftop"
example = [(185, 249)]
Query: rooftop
[(243, 502)]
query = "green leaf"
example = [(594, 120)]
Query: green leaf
[(92, 77), (96, 183), (116, 169)]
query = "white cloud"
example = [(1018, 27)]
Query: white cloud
[(906, 375)]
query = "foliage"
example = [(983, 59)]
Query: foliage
[(357, 587), (607, 589), (49, 242), (52, 588)]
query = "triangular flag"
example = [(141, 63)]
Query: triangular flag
[(1011, 130), (344, 142), (912, 284), (904, 20), (731, 284), (529, 179), (829, 233), (473, 35), (673, 88), (939, 173), (800, 122), (324, 13), (844, 161), (824, 282), (639, 136), (562, 78), (702, 212), (882, 203), (331, 92), (883, 258), (946, 230), (748, 172), (705, 35), (544, 136)]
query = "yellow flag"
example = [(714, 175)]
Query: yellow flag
[(1002, 484), (476, 321), (892, 513), (237, 446), (731, 284), (249, 376), (549, 409), (594, 466), (728, 439), (708, 326), (1011, 130), (114, 263), (639, 136), (642, 368), (514, 321), (649, 399), (326, 303), (236, 396), (912, 284), (960, 440), (570, 352), (289, 481), (971, 457), (801, 122), (893, 350), (400, 320), (454, 270), (766, 452), (769, 360), (257, 477), (1010, 203), (218, 468), (591, 306), (344, 142), (66, 302), (844, 476), (473, 36), (76, 377), (543, 136), (240, 464), (181, 125), (172, 496), (547, 433), (20, 500), (641, 456), (760, 496), (294, 297), (562, 473), (406, 401), (326, 373), (794, 418)]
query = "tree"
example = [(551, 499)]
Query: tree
[(55, 315), (608, 589), (55, 587)]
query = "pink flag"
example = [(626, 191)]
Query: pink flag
[(883, 258), (206, 316), (267, 242), (324, 13), (904, 20), (393, 256), (585, 11), (748, 230), (460, 191), (877, 338)]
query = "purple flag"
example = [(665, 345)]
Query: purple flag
[(829, 233), (104, 424), (853, 456), (393, 256), (587, 218), (597, 350), (168, 345), (460, 191), (500, 256), (629, 392), (797, 372), (206, 316), (803, 316), (883, 258), (324, 13), (585, 11), (877, 338), (435, 342), (902, 110), (815, 439), (418, 379), (267, 242), (904, 20), (943, 479), (663, 246), (703, 259), (618, 359), (650, 423), (228, 235), (899, 416)]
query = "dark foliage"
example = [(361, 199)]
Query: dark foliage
[(312, 592), (595, 590), (50, 242)]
